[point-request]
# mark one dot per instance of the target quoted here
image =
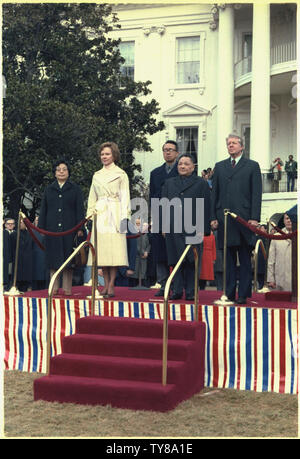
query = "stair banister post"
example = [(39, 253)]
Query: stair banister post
[(165, 323)]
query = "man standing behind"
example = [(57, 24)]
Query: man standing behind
[(291, 171), (157, 179), (237, 186)]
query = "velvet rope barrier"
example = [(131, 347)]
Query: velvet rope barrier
[(49, 233), (256, 230), (31, 227)]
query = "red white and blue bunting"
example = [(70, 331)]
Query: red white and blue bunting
[(247, 348)]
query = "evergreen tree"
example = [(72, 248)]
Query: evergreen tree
[(65, 96)]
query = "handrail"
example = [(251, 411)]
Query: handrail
[(258, 243), (166, 296), (51, 287)]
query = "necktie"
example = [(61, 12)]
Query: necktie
[(233, 162)]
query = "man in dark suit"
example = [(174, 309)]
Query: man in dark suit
[(188, 221), (237, 186), (157, 179)]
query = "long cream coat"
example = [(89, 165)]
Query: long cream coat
[(280, 264), (109, 195)]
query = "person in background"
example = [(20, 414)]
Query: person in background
[(9, 224), (276, 168), (279, 275), (143, 249), (61, 209), (208, 260), (125, 273), (6, 258), (158, 177), (291, 171), (39, 271)]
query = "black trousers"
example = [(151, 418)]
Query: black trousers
[(244, 273)]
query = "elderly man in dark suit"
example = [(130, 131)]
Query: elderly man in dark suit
[(237, 186), (157, 179), (188, 216)]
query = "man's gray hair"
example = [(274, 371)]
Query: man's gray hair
[(235, 136)]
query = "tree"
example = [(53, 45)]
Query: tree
[(65, 96)]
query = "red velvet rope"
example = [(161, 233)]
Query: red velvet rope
[(31, 227), (256, 230), (49, 233)]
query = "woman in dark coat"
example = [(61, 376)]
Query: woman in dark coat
[(186, 187), (62, 208)]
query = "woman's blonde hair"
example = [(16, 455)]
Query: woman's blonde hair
[(114, 149)]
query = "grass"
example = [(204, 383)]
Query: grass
[(213, 413)]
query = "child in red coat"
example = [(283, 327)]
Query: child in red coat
[(208, 259)]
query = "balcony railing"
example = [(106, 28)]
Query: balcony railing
[(274, 183), (284, 52)]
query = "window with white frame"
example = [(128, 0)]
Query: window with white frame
[(188, 60), (187, 140), (127, 52)]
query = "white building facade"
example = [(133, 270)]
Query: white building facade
[(218, 69)]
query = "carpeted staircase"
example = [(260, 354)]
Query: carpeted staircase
[(118, 362)]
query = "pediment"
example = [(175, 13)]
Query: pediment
[(186, 109)]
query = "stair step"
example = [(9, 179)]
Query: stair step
[(114, 367), (135, 395), (126, 326), (125, 346)]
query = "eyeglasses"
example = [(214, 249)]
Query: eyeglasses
[(165, 150), (63, 169)]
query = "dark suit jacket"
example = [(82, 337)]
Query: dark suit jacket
[(157, 179), (238, 189), (192, 187)]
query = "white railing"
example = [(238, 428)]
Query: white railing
[(284, 52)]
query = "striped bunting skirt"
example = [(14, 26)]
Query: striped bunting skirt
[(246, 348)]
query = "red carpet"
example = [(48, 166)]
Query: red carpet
[(118, 361), (273, 299)]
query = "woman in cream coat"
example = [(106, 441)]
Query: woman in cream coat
[(109, 197)]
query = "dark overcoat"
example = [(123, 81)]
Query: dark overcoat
[(61, 210), (181, 187), (24, 271), (157, 179), (238, 189), (7, 256)]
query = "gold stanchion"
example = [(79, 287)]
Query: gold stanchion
[(165, 323), (95, 292), (196, 288), (14, 290), (50, 295), (224, 299)]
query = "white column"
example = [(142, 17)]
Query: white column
[(225, 70), (260, 87)]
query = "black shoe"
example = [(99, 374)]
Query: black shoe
[(231, 298), (190, 298), (176, 296), (159, 293), (241, 300)]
